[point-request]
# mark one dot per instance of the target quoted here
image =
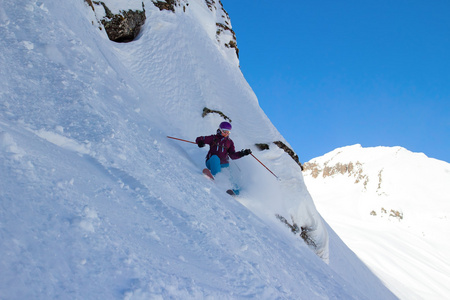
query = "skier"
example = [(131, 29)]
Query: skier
[(220, 148)]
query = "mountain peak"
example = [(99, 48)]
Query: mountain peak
[(392, 197)]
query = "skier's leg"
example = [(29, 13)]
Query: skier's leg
[(235, 188), (213, 164)]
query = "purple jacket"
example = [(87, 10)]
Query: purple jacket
[(221, 146)]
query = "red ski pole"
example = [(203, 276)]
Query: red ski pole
[(180, 140), (265, 166), (170, 137)]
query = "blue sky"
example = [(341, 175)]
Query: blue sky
[(335, 73)]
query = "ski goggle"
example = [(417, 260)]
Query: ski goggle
[(224, 131)]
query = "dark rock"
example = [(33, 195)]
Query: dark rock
[(165, 5), (303, 231), (262, 146), (89, 2), (123, 27), (232, 43), (207, 111), (289, 151)]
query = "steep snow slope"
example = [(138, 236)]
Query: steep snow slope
[(392, 207), (185, 92), (96, 202)]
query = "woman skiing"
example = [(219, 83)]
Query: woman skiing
[(221, 147)]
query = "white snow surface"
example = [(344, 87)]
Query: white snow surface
[(97, 202), (396, 218)]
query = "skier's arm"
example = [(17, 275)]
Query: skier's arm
[(236, 155), (202, 140), (246, 152)]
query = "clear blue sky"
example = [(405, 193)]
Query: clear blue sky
[(335, 73)]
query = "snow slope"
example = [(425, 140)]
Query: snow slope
[(97, 203), (391, 207)]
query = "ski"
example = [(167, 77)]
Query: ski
[(208, 174), (231, 193)]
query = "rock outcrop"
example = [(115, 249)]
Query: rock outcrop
[(122, 27), (166, 5), (224, 34), (280, 144), (351, 169)]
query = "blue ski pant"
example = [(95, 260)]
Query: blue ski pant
[(214, 165)]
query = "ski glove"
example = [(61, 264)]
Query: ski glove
[(246, 152), (201, 144)]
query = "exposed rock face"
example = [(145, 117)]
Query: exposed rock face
[(207, 111), (211, 4), (166, 5), (289, 151), (124, 27), (280, 144), (303, 231), (326, 170), (232, 43), (224, 33)]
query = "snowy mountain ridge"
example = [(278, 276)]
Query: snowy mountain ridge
[(97, 203), (389, 205), (386, 173)]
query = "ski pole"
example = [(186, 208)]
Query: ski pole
[(265, 166), (180, 140), (170, 137)]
